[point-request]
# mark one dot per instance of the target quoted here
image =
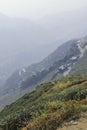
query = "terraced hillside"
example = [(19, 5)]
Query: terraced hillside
[(48, 106)]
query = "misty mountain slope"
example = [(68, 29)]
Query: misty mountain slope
[(71, 57), (19, 40), (22, 38), (48, 62), (61, 62)]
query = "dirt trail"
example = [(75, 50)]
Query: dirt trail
[(80, 124)]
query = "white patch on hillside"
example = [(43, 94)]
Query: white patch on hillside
[(22, 71), (82, 50), (67, 72), (74, 58), (61, 67)]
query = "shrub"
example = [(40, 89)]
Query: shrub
[(75, 94)]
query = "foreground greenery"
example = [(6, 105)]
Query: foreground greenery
[(47, 107)]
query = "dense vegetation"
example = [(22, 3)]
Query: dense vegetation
[(48, 106)]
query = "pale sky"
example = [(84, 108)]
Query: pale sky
[(34, 9)]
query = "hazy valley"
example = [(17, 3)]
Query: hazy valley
[(43, 65)]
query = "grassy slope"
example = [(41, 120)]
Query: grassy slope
[(47, 106)]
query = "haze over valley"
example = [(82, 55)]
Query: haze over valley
[(43, 63), (24, 42)]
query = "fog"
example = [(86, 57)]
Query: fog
[(34, 9), (32, 29)]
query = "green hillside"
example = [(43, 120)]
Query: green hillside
[(48, 106)]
